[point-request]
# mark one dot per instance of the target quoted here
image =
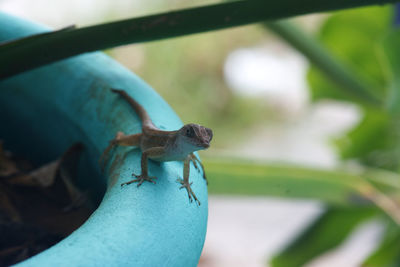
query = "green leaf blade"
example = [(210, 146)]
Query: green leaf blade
[(353, 36), (388, 252), (327, 232), (244, 178)]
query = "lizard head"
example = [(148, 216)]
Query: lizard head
[(195, 137)]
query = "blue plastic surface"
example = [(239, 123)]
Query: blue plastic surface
[(44, 111)]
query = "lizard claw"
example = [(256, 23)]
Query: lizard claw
[(140, 179), (191, 194)]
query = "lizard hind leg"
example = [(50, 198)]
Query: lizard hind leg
[(122, 140), (106, 153)]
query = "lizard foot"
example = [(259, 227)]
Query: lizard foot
[(189, 190), (140, 179)]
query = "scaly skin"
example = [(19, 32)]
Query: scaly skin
[(159, 145)]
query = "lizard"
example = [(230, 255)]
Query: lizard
[(161, 146)]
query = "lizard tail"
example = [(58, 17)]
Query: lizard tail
[(144, 116)]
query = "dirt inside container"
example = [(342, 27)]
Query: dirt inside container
[(39, 205)]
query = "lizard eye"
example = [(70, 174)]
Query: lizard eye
[(189, 132)]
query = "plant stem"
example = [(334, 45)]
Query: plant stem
[(381, 200), (19, 56), (330, 66)]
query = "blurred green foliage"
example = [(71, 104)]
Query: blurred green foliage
[(365, 40), (388, 253), (354, 36), (230, 176), (368, 43), (325, 233)]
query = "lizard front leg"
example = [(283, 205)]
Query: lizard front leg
[(196, 161), (185, 181), (144, 176)]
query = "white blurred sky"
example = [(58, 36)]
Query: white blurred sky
[(271, 70), (276, 73)]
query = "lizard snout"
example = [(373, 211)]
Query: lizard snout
[(205, 137)]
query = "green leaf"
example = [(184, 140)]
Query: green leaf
[(353, 36), (245, 178), (370, 48), (388, 252), (371, 141), (331, 68), (391, 44), (376, 140), (327, 232)]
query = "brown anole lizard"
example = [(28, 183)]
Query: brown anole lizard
[(161, 146)]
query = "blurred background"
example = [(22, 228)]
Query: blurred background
[(267, 106)]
